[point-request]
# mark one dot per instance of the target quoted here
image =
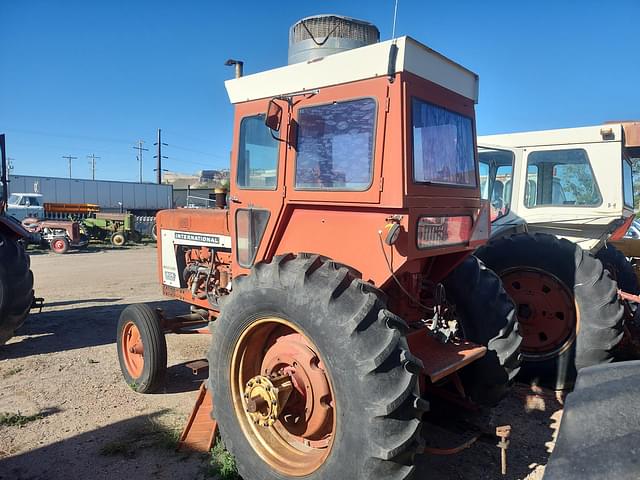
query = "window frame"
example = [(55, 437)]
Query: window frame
[(555, 205), (490, 181), (374, 139), (275, 186), (250, 211), (474, 147)]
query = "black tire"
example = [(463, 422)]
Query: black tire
[(59, 245), (366, 358), (620, 268), (118, 239), (154, 368), (16, 286), (154, 232), (584, 280), (487, 316)]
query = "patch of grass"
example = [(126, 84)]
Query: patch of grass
[(11, 372), (153, 434), (117, 448), (222, 463), (18, 420)]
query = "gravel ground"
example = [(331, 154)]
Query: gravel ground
[(62, 366)]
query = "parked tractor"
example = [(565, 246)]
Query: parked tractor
[(60, 235), (339, 286), (16, 278), (559, 197), (118, 228)]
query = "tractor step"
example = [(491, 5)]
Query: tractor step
[(200, 432), (442, 359)]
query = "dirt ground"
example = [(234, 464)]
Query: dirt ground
[(62, 367)]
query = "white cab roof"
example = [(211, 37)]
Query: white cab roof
[(353, 65), (563, 136)]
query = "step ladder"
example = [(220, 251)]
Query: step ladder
[(200, 432)]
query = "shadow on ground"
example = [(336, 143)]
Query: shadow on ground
[(73, 328), (141, 447)]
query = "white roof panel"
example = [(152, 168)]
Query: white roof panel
[(562, 136), (353, 65)]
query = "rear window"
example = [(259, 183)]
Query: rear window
[(335, 146), (443, 149)]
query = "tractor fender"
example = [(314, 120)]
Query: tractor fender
[(11, 226)]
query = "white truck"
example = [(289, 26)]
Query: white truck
[(25, 205), (558, 197)]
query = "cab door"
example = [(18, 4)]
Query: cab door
[(257, 176)]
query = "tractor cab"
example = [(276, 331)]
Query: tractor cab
[(575, 183)]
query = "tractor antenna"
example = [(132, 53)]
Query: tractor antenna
[(395, 16)]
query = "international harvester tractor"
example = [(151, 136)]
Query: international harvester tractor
[(338, 285), (560, 199), (16, 279)]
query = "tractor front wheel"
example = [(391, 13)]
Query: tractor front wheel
[(487, 316), (567, 302), (142, 348), (59, 245), (118, 239), (312, 377)]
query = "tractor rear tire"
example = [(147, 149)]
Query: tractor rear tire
[(16, 286), (361, 363), (142, 348), (620, 268), (59, 245), (118, 239), (487, 316), (154, 232), (568, 305)]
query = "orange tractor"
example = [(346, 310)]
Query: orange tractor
[(338, 285)]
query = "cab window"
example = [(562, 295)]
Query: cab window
[(561, 178), (257, 155), (336, 146), (627, 182), (496, 179), (443, 148)]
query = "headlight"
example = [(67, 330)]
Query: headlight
[(443, 231)]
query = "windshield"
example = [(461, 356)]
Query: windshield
[(496, 179), (13, 200)]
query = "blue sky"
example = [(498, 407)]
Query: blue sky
[(83, 77)]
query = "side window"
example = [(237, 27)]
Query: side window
[(335, 146), (23, 201), (501, 198), (257, 155), (561, 178), (33, 202), (483, 167)]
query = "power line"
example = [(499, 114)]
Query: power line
[(140, 149), (93, 165), (69, 158)]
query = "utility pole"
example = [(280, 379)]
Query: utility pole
[(140, 149), (159, 158), (69, 158), (93, 165)]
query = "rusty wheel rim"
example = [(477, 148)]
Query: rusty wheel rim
[(300, 439), (58, 245), (118, 240), (132, 350), (547, 312)]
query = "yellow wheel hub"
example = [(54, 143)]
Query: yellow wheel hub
[(265, 398)]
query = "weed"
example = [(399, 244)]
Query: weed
[(222, 463), (17, 420), (117, 448), (11, 371)]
